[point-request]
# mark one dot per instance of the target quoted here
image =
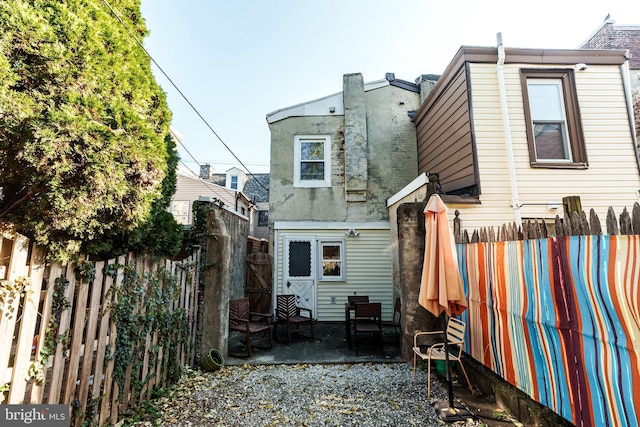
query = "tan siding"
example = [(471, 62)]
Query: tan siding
[(612, 178), (368, 270), (192, 189)]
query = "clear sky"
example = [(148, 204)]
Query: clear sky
[(238, 60)]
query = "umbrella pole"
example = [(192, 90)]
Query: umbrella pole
[(446, 358), (446, 410)]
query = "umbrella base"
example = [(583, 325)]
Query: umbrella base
[(451, 414)]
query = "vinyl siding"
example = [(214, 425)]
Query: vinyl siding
[(367, 267), (443, 127), (612, 178)]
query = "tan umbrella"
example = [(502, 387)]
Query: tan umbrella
[(441, 286)]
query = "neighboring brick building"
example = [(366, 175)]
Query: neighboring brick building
[(612, 36)]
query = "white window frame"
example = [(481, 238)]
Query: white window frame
[(180, 210), (237, 182), (297, 142), (331, 242), (561, 121)]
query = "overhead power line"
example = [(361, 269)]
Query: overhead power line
[(132, 35)]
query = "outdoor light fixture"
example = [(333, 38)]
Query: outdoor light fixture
[(352, 233)]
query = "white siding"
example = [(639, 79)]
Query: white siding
[(367, 267), (191, 189), (612, 178)]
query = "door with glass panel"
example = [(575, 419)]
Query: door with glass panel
[(299, 271)]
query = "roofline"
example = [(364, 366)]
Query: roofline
[(489, 55), (376, 84)]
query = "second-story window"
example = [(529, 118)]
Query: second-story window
[(554, 130), (312, 154), (234, 182)]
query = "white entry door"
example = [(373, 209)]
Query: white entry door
[(299, 276)]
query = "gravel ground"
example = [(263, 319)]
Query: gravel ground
[(305, 395)]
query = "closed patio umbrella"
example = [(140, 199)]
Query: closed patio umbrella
[(441, 287)]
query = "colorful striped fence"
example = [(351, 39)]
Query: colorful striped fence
[(559, 318)]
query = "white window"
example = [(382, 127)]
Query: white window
[(549, 121), (234, 182), (332, 260), (312, 154), (180, 211)]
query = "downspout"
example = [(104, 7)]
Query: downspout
[(626, 85), (274, 273), (515, 198)]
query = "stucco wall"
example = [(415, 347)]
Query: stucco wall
[(390, 154), (224, 273)]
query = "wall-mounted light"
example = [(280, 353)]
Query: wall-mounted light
[(352, 233), (581, 66), (332, 109)]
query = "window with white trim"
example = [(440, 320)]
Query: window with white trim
[(312, 154), (180, 211), (332, 260), (234, 182), (554, 130)]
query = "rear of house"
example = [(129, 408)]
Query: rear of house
[(334, 162)]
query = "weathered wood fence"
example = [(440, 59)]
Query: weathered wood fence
[(97, 336), (554, 309)]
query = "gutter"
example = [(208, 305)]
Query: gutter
[(513, 179), (626, 86)]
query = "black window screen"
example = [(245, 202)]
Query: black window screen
[(299, 259)]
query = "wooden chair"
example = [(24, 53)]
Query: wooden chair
[(367, 319), (395, 322), (353, 299), (289, 314), (241, 319), (455, 342)]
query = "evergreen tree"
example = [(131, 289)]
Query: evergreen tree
[(83, 153)]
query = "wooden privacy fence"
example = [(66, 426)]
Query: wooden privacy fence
[(100, 336), (559, 317)]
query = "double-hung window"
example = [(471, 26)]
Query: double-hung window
[(312, 154), (332, 259), (554, 130)]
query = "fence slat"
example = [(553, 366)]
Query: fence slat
[(37, 389), (594, 221), (90, 340), (10, 310), (58, 368), (80, 309), (108, 407), (635, 218), (27, 328), (612, 223)]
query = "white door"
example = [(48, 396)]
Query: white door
[(299, 273)]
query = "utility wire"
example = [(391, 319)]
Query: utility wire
[(208, 185), (181, 94)]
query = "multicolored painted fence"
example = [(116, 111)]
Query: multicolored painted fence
[(559, 318)]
